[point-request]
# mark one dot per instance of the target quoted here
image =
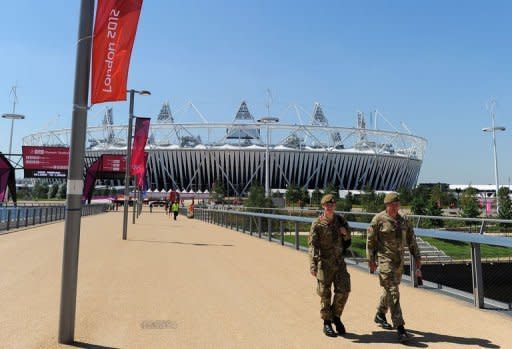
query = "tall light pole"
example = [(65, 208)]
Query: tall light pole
[(128, 159), (267, 121), (75, 182), (12, 116), (493, 129)]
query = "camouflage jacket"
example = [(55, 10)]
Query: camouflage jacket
[(325, 242), (387, 238)]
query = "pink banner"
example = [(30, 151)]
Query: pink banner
[(6, 178), (90, 179), (138, 165)]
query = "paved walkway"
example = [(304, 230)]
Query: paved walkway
[(188, 284)]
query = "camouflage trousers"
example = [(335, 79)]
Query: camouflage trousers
[(330, 275), (390, 276)]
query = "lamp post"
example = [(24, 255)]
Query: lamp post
[(128, 159), (12, 117), (493, 129), (267, 121)]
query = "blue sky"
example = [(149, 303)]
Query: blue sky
[(433, 65)]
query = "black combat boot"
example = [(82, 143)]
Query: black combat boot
[(380, 319), (328, 329), (402, 333), (340, 328)]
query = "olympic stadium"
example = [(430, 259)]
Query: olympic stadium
[(195, 156)]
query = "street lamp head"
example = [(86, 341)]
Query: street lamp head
[(268, 120), (497, 128), (141, 92), (13, 116)]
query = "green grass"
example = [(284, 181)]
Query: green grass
[(454, 249), (358, 243), (462, 250)]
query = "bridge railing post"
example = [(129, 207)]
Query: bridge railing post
[(477, 276), (297, 243), (281, 231)]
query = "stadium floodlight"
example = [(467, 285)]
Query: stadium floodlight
[(491, 107), (267, 121)]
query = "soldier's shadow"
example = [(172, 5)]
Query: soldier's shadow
[(419, 339)]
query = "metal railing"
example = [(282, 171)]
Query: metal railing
[(15, 217), (285, 229)]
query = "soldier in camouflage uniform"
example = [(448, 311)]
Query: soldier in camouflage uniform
[(388, 234), (328, 239)]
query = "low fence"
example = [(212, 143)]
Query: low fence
[(488, 281), (14, 217)]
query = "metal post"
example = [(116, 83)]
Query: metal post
[(477, 276), (8, 219), (281, 231), (269, 229), (412, 269), (128, 165), (297, 243), (135, 192), (267, 167), (75, 172)]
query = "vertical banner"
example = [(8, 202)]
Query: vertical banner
[(7, 179), (138, 163), (114, 34), (141, 179), (90, 179)]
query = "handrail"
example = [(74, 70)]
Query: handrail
[(475, 240)]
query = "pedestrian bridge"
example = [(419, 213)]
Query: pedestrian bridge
[(189, 284)]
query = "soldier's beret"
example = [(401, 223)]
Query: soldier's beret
[(391, 197), (328, 198)]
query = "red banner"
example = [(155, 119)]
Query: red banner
[(138, 164), (114, 34)]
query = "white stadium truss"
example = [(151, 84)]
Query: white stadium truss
[(194, 156)]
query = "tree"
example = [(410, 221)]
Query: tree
[(371, 201), (469, 203), (218, 192), (419, 205), (405, 195), (257, 197), (345, 204), (331, 189), (52, 192), (293, 194), (40, 190), (316, 196), (61, 194), (433, 209), (421, 194), (505, 209)]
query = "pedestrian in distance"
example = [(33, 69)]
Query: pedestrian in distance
[(167, 207), (388, 234), (175, 207), (328, 239)]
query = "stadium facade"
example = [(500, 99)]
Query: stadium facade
[(195, 156)]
